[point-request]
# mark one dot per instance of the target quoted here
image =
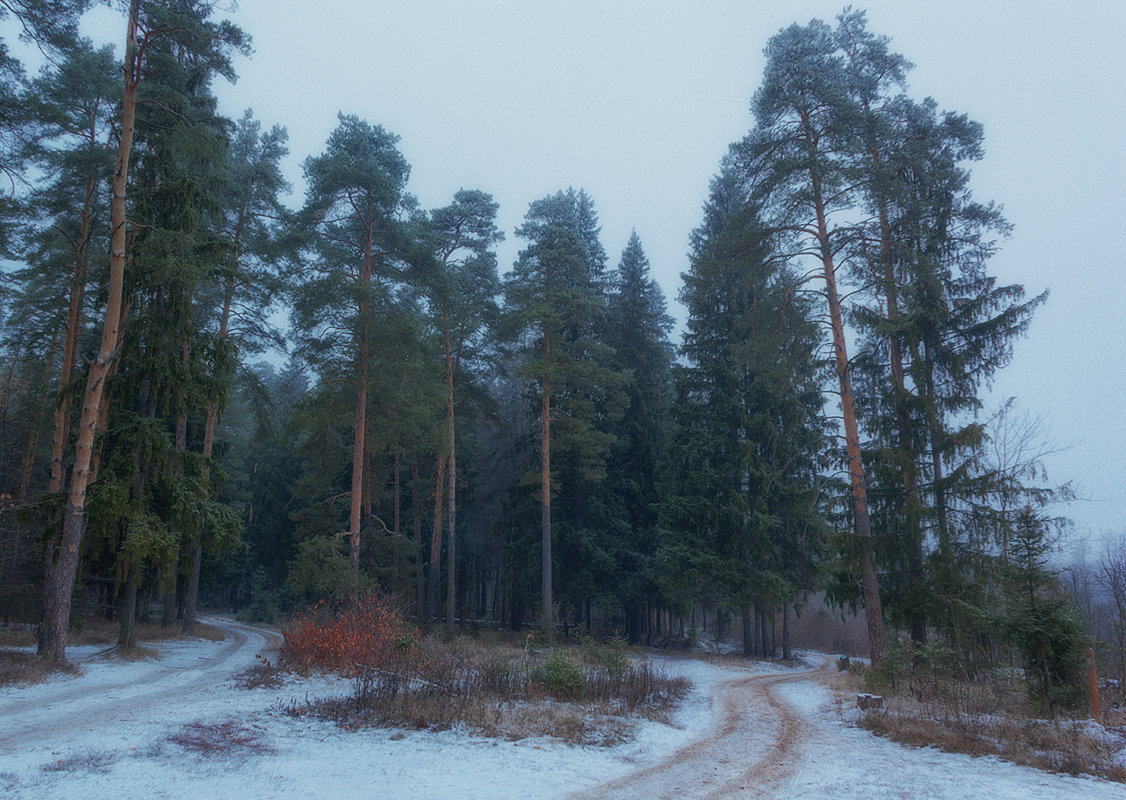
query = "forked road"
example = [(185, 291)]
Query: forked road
[(85, 704), (753, 749)]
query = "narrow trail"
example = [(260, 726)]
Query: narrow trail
[(85, 704), (754, 748)]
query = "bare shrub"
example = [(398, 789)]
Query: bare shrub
[(370, 633), (228, 738), (929, 703), (506, 691)]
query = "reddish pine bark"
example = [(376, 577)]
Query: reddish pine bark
[(62, 573), (869, 582)]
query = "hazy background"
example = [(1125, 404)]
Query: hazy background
[(637, 101)]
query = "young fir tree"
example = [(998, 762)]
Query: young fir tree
[(637, 328), (742, 510)]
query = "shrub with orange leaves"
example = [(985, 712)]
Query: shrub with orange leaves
[(367, 634)]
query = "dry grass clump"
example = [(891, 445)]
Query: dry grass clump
[(404, 679), (261, 675), (24, 668), (226, 738), (89, 761), (17, 635), (989, 714)]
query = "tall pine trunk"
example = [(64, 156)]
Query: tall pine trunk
[(63, 572), (913, 505), (869, 581), (451, 496), (359, 444), (435, 572), (547, 618), (61, 429), (416, 528)]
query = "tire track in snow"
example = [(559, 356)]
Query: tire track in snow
[(43, 717), (756, 727)]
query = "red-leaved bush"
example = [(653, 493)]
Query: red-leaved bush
[(369, 633)]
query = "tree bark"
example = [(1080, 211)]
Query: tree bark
[(435, 572), (547, 619), (416, 525), (451, 496), (360, 437), (63, 572), (869, 581), (786, 654), (27, 463), (127, 611), (70, 342)]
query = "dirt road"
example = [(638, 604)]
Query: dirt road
[(83, 705), (754, 748)]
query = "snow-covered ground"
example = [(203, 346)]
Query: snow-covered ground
[(109, 733)]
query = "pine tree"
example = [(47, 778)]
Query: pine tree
[(73, 105), (208, 45), (462, 287), (796, 160), (354, 201)]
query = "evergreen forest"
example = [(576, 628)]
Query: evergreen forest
[(216, 394)]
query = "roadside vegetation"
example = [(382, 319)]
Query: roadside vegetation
[(928, 699), (585, 692)]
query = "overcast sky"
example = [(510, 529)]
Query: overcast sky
[(637, 101)]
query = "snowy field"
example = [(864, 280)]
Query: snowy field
[(113, 732)]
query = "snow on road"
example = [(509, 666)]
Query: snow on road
[(109, 733)]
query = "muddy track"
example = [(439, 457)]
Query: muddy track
[(41, 718), (753, 748)]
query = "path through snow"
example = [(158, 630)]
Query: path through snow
[(744, 731)]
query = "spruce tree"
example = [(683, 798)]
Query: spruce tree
[(637, 328), (742, 513), (552, 302)]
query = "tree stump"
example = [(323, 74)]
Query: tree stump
[(869, 702)]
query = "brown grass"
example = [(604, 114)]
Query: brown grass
[(90, 761), (590, 695), (989, 716), (26, 668), (226, 738), (261, 675), (100, 631)]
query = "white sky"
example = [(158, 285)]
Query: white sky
[(636, 102)]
